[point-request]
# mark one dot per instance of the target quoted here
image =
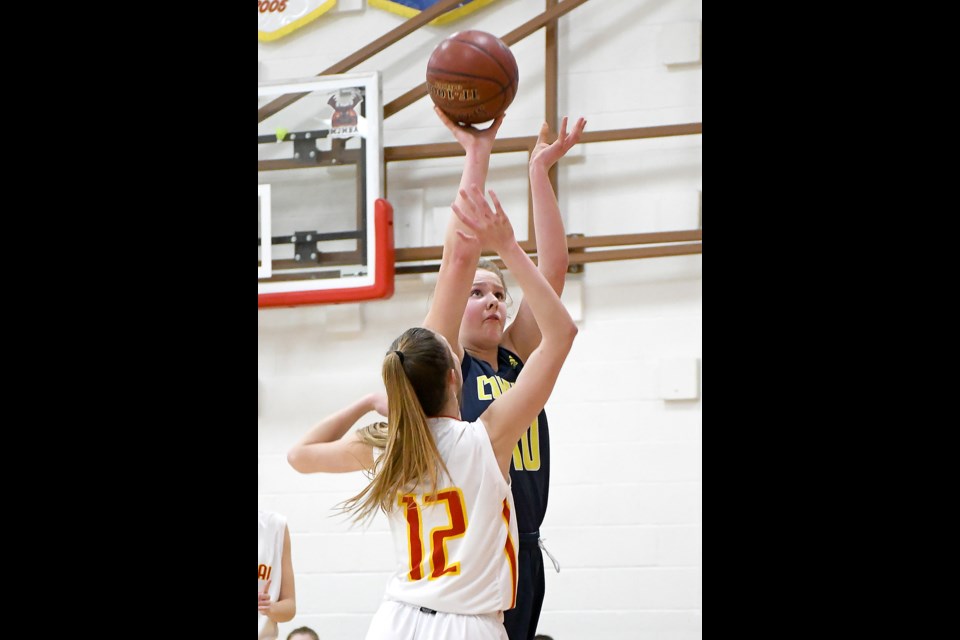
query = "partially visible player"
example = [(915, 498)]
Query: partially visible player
[(444, 483), (492, 357), (276, 593), (306, 633)]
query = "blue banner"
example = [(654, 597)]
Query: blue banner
[(410, 8)]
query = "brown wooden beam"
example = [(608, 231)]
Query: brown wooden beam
[(664, 131), (641, 252), (658, 237), (452, 149), (583, 258), (533, 24), (550, 109), (413, 254), (551, 69), (626, 254), (416, 254), (551, 84), (503, 145), (526, 143), (513, 37), (363, 54)]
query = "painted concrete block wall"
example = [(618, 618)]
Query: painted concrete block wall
[(625, 516)]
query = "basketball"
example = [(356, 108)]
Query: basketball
[(472, 76)]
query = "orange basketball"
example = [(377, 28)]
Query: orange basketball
[(472, 76)]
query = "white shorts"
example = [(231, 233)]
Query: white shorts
[(401, 621)]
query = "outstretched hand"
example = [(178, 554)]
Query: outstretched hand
[(491, 225), (546, 154), (469, 137)]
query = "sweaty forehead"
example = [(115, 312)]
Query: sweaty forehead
[(488, 278)]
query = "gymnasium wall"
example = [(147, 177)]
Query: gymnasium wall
[(625, 516)]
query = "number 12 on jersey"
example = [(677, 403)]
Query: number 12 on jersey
[(455, 526)]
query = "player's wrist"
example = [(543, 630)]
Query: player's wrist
[(479, 154), (509, 249)]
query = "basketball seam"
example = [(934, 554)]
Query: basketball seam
[(484, 52)]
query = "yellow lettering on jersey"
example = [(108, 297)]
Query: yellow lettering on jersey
[(481, 392), (526, 455), (491, 387), (264, 571)]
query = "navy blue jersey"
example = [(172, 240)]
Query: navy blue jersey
[(530, 471)]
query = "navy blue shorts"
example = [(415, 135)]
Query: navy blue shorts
[(521, 621)]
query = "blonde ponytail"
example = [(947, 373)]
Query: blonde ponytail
[(414, 373)]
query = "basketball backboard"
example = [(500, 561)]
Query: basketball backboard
[(324, 233)]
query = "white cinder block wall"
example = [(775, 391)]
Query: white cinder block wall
[(625, 515)]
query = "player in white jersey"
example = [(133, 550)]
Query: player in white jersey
[(276, 595), (444, 483)]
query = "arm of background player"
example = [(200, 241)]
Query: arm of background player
[(285, 607)]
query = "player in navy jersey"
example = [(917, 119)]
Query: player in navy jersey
[(444, 482), (494, 355)]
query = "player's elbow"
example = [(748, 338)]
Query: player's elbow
[(555, 270), (562, 336), (295, 459), (571, 333), (284, 610)]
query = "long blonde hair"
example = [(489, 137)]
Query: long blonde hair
[(414, 373)]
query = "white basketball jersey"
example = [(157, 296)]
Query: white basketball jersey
[(270, 534), (457, 548)]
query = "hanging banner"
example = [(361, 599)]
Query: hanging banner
[(277, 18), (410, 8)]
